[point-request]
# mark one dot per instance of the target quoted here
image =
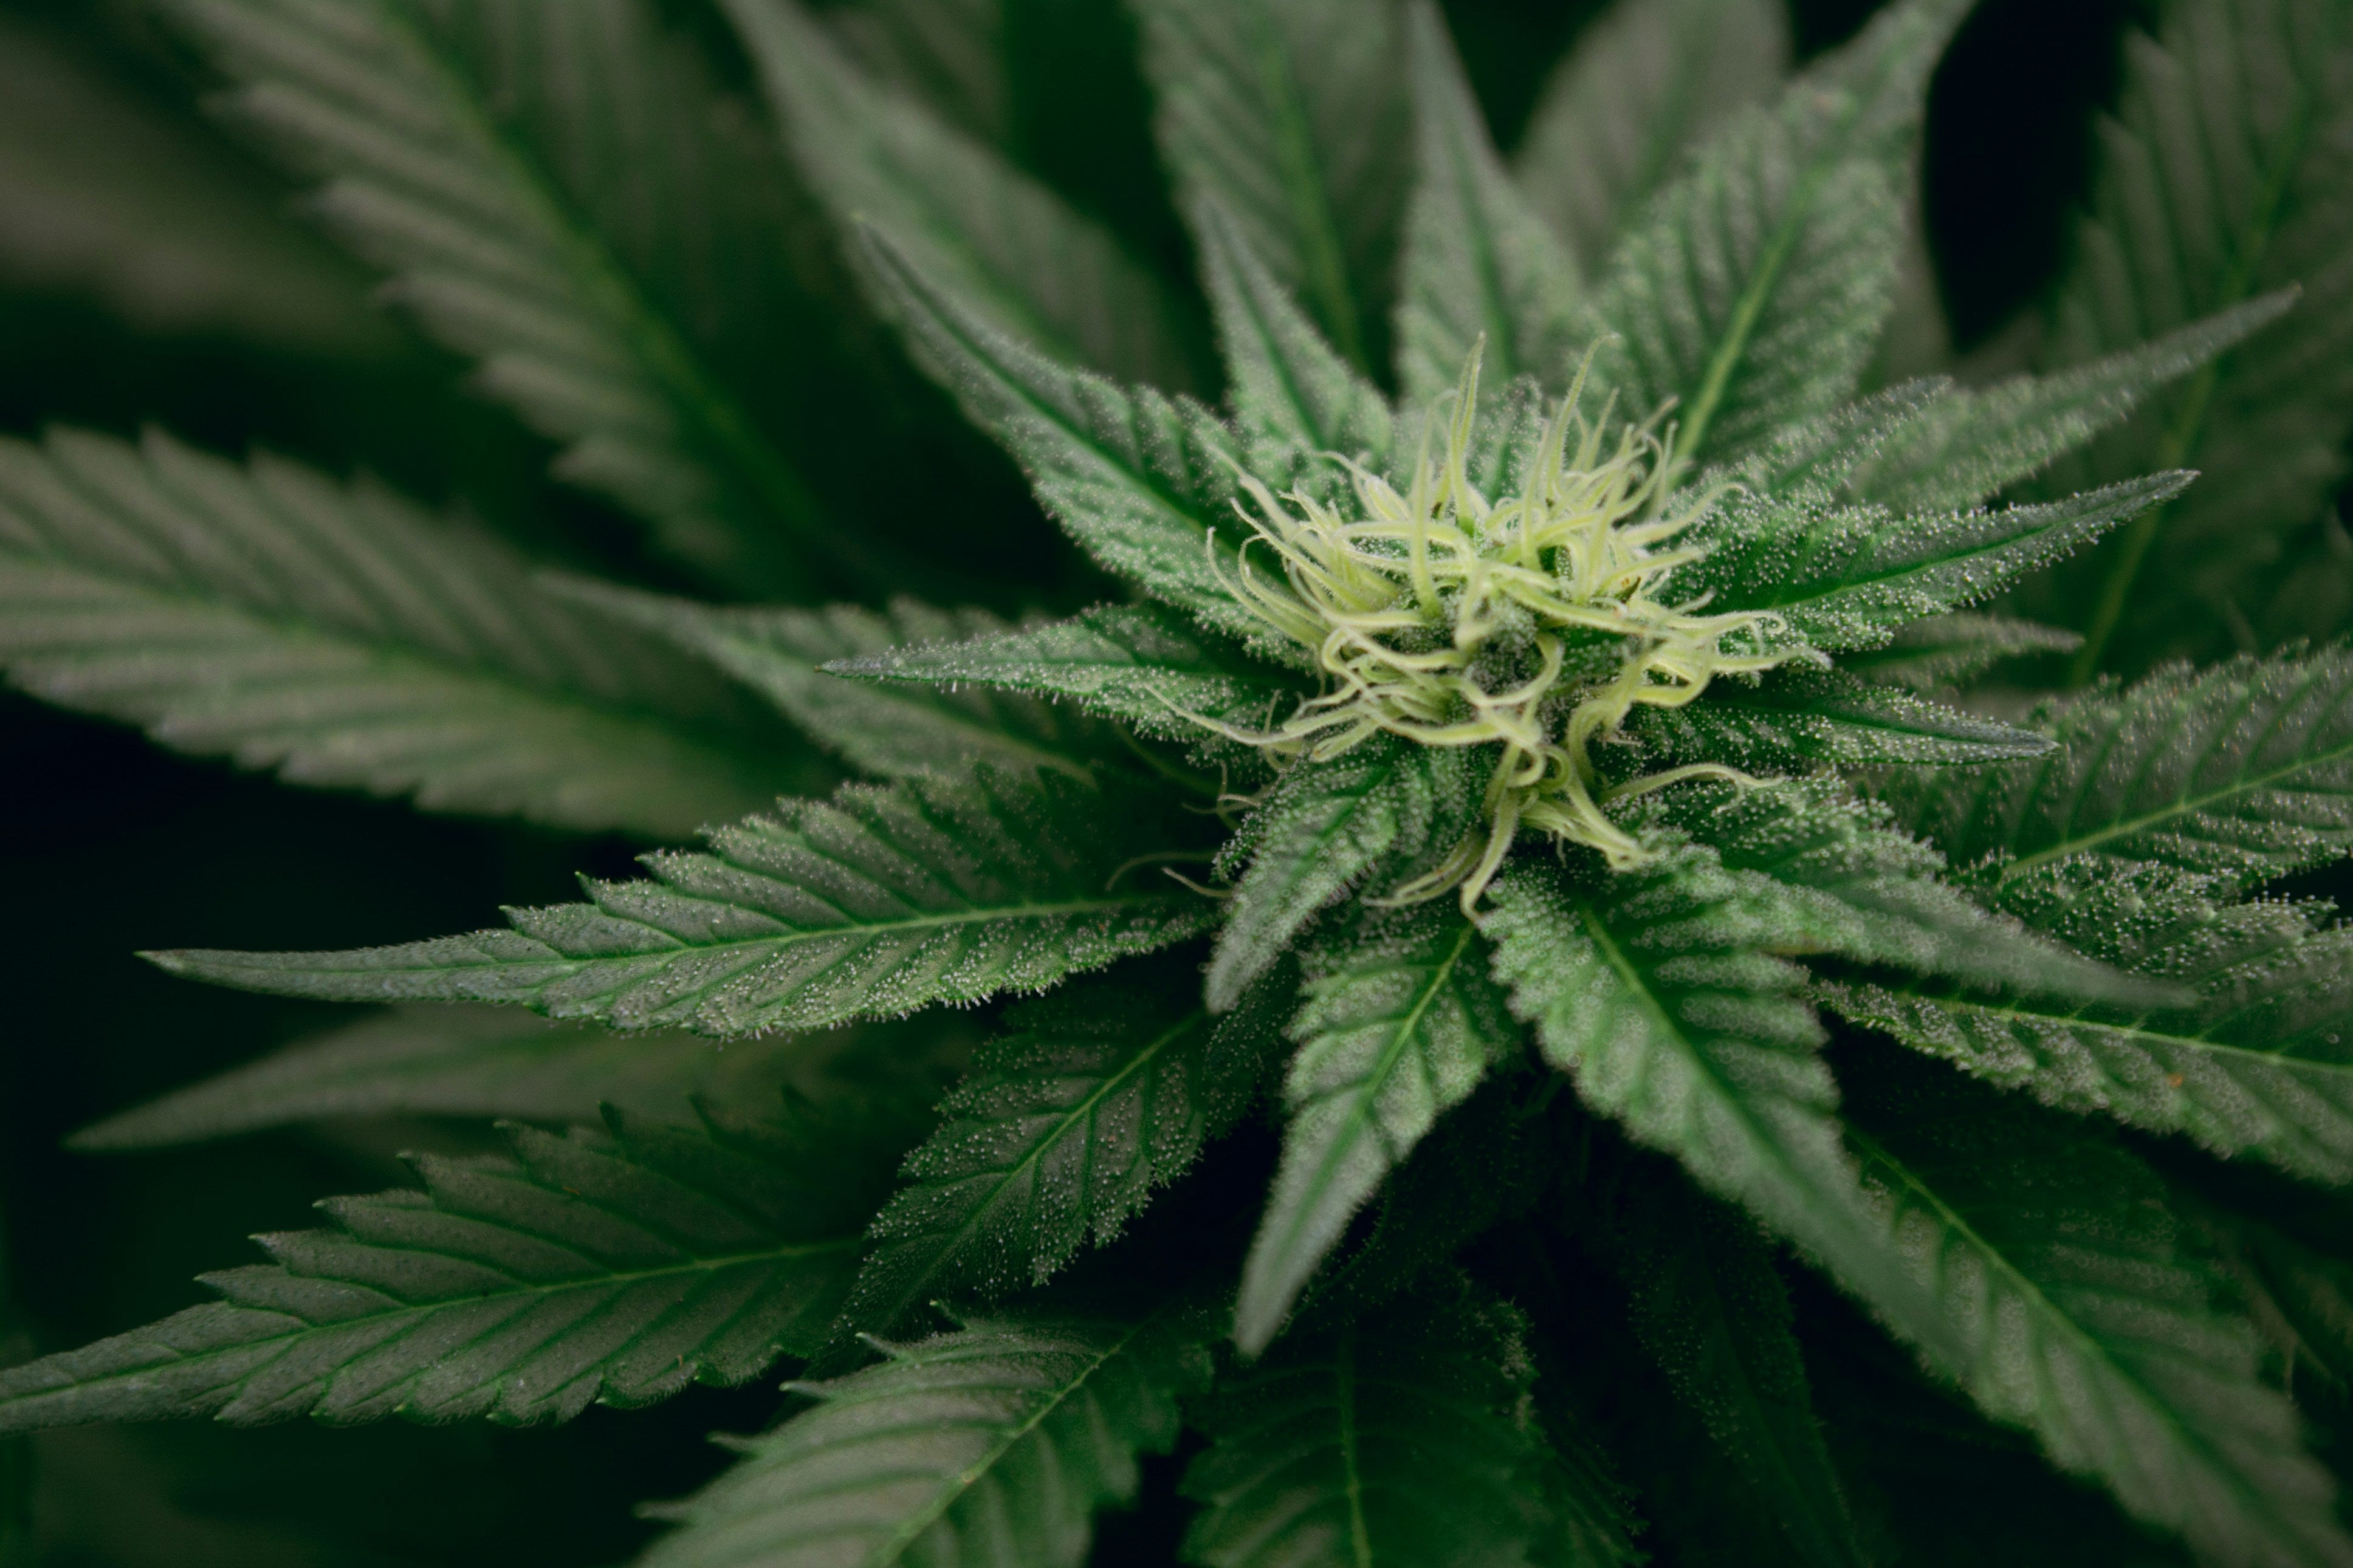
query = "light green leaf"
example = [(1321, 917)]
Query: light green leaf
[(1401, 1022), (1704, 1299), (1848, 578), (1402, 1438), (1136, 663), (1143, 483), (1963, 446), (1060, 1132), (1753, 290), (888, 731), (2087, 1319), (1291, 113), (590, 1267), (874, 904), (342, 638), (1001, 244), (2252, 1061), (1389, 804), (467, 1061), (1654, 989), (620, 291), (2243, 772), (1294, 397), (2226, 174), (989, 1447), (1478, 262), (1643, 84)]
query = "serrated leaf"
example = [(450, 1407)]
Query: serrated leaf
[(1397, 1439), (342, 638), (1803, 721), (1291, 113), (2251, 1061), (1059, 1134), (880, 901), (1140, 664), (1704, 1300), (1849, 577), (1141, 482), (1388, 804), (989, 1447), (1871, 894), (2087, 1320), (1948, 651), (2226, 173), (2300, 1299), (948, 54), (1654, 990), (1966, 444), (1478, 262), (1292, 394), (617, 290), (590, 1267), (886, 731), (462, 1061), (2243, 771), (1753, 288), (1643, 84), (1003, 245), (1401, 1022)]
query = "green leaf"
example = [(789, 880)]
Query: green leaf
[(1753, 290), (948, 54), (1389, 804), (2244, 772), (1478, 262), (1294, 396), (987, 1448), (1849, 578), (1136, 663), (1950, 651), (1965, 445), (1800, 719), (463, 1062), (1060, 1132), (2301, 1300), (891, 732), (1003, 245), (2226, 174), (1704, 1300), (1643, 83), (2252, 1062), (346, 639), (1291, 113), (1400, 1024), (590, 1267), (1402, 1438), (1654, 990), (620, 291), (1143, 483), (2087, 1320), (880, 901), (1871, 894)]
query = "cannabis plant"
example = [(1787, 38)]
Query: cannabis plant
[(1613, 918)]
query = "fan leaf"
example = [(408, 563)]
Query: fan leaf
[(1400, 1024), (621, 293), (590, 1267), (1003, 245), (342, 638), (874, 904), (989, 1447)]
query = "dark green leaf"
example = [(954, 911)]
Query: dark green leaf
[(1802, 721)]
